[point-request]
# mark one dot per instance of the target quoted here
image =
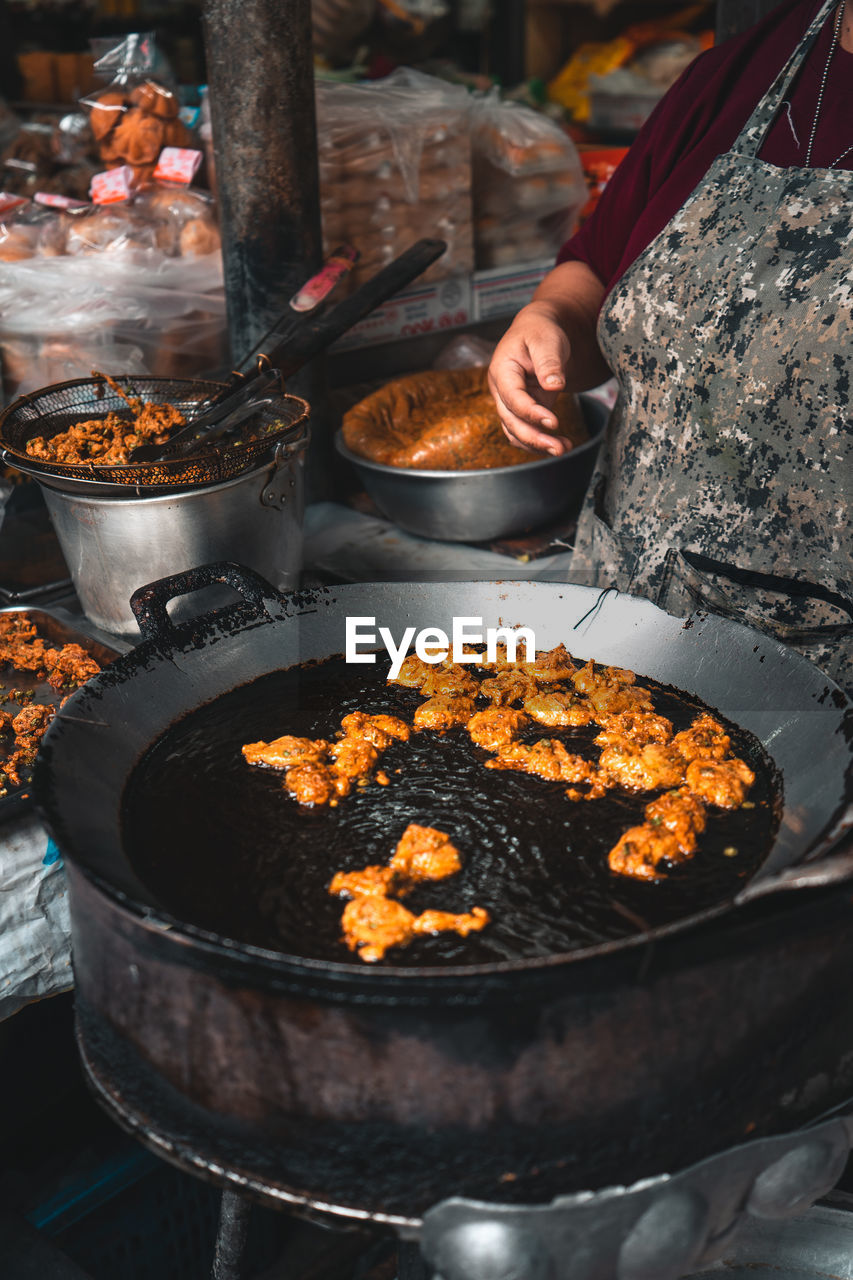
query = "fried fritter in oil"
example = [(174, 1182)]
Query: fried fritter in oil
[(646, 768), (641, 850), (425, 854), (558, 710), (413, 672), (496, 728), (508, 688), (379, 730), (373, 923), (450, 680), (680, 812), (287, 752), (315, 784), (553, 664), (443, 712), (547, 758), (723, 783), (706, 739), (446, 922), (368, 882), (635, 728)]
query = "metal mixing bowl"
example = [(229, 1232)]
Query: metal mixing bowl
[(479, 506)]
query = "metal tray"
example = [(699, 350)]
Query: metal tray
[(59, 631)]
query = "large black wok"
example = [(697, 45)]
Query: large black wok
[(380, 1091)]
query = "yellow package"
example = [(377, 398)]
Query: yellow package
[(570, 86)]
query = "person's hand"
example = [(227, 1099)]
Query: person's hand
[(526, 374)]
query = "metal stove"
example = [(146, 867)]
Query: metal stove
[(729, 1209)]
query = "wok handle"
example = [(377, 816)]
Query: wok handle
[(149, 603), (834, 868)]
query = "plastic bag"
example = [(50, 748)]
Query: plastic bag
[(529, 186), (395, 165), (465, 352), (130, 309), (136, 115)]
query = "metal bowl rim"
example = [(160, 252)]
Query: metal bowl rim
[(524, 468)]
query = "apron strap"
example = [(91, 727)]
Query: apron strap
[(751, 138)]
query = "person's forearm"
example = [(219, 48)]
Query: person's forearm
[(572, 295)]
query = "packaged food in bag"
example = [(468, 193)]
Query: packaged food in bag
[(136, 115), (395, 165), (529, 186)]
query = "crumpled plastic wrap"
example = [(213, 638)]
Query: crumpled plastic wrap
[(529, 186), (138, 311), (395, 165), (35, 926)]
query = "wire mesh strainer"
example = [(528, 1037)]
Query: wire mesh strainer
[(65, 404)]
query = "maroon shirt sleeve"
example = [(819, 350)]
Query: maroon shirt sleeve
[(700, 118)]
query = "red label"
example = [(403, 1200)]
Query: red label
[(177, 164), (9, 201), (112, 186), (54, 201)]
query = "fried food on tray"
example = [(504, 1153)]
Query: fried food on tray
[(108, 441), (373, 922), (33, 719), (443, 420), (424, 853), (723, 783), (69, 667), (443, 712), (66, 668)]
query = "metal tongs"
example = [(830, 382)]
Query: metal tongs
[(285, 349)]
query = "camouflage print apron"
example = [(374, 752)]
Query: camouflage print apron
[(725, 479)]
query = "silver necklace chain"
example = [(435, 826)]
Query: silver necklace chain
[(835, 34)]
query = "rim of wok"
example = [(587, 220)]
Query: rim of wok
[(151, 914)]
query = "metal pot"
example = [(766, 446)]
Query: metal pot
[(478, 506), (114, 545), (377, 1092)]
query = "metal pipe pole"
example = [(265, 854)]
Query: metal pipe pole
[(261, 78)]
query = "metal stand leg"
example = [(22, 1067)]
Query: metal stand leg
[(229, 1258), (410, 1262)]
